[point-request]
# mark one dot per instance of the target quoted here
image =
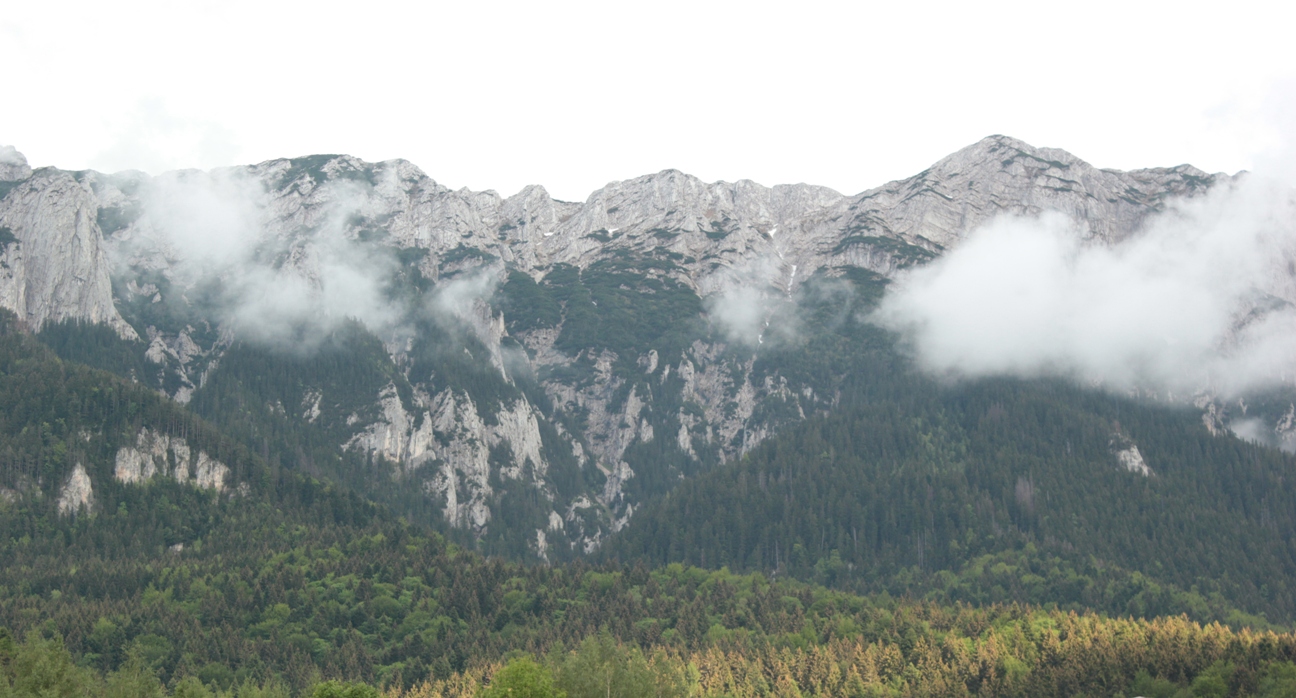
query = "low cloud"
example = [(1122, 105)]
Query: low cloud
[(1201, 299), (285, 283), (750, 309), (1253, 430), (465, 296), (9, 155)]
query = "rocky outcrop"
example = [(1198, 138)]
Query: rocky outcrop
[(1128, 455), (155, 454), (179, 353), (451, 437), (53, 265), (77, 494), (209, 473), (395, 436), (1285, 429), (1132, 460)]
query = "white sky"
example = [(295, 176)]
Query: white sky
[(497, 95)]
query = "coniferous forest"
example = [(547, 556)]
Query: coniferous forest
[(919, 538)]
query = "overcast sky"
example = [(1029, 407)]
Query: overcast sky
[(573, 95)]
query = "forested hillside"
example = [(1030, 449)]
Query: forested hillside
[(449, 444), (523, 372), (992, 491)]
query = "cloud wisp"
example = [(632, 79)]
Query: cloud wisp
[(750, 309), (282, 282), (1202, 299)]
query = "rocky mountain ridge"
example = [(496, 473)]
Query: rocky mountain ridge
[(697, 276), (720, 225)]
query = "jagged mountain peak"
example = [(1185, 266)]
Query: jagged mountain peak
[(711, 228), (935, 208)]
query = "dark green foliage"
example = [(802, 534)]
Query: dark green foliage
[(54, 415), (829, 339), (348, 370), (909, 479), (6, 187), (112, 219), (902, 252), (101, 347), (7, 238), (526, 304), (446, 355), (625, 305), (282, 590), (463, 253)]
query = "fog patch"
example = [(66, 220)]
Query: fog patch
[(750, 309), (1253, 430), (838, 296), (9, 155), (464, 295), (1200, 300), (281, 283)]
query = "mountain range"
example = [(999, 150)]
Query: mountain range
[(589, 353), (319, 417)]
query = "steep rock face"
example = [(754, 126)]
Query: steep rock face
[(394, 436), (449, 436), (53, 265), (155, 454), (77, 494)]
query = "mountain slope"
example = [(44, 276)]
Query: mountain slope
[(557, 363), (281, 578), (994, 491)]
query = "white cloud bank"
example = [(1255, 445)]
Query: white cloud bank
[(1200, 299)]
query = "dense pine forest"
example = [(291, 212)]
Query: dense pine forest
[(1002, 490), (920, 538)]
